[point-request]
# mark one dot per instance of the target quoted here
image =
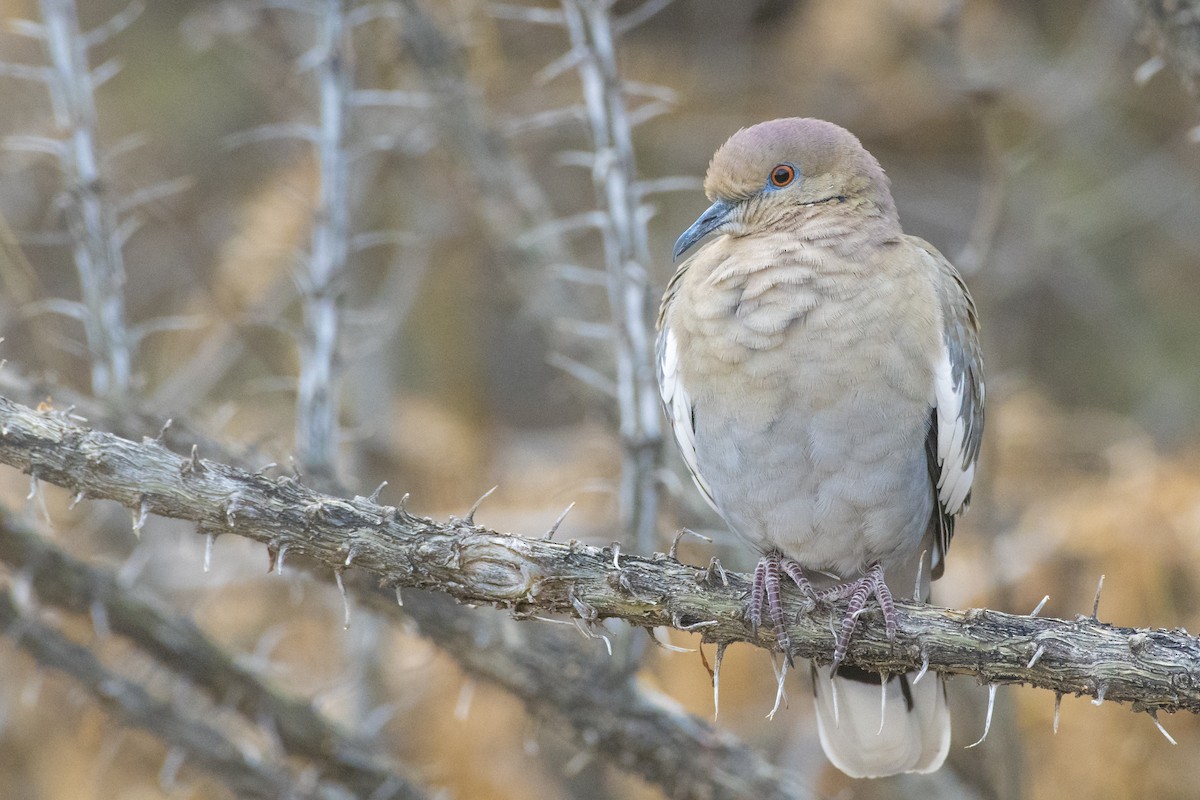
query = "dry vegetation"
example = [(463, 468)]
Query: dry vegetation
[(1035, 143)]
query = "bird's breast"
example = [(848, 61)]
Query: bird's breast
[(810, 384)]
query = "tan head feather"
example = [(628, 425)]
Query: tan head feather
[(830, 162)]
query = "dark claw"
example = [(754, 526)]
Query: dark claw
[(860, 591), (775, 607), (766, 591), (757, 589)]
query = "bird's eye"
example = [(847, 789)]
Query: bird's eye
[(783, 174)]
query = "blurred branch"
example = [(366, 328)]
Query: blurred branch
[(509, 197), (91, 216), (204, 744), (607, 712), (324, 281), (177, 643), (1153, 669), (1172, 28), (626, 256)]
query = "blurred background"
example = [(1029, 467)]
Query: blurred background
[(1041, 146)]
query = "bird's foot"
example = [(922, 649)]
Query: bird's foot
[(765, 591), (869, 585)]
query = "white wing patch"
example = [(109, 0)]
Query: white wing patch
[(679, 409), (957, 471)]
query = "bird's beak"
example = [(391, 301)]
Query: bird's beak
[(716, 216)]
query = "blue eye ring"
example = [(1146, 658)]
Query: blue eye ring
[(782, 175)]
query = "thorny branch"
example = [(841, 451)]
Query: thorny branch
[(1155, 670), (626, 256), (91, 214), (562, 681), (178, 644), (324, 281)]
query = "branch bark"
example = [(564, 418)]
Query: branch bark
[(91, 216), (626, 256), (1153, 669)]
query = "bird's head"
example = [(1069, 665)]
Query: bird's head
[(766, 174)]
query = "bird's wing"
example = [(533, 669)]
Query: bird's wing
[(956, 427), (681, 411), (679, 407)]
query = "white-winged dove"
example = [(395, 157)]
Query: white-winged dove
[(822, 375)]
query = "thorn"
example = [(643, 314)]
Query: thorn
[(837, 721), (883, 682), (470, 517), (917, 584), (162, 432), (530, 746), (399, 598), (1154, 716), (673, 552), (1096, 602), (586, 612), (167, 776), (337, 576), (616, 550), (1037, 656), (100, 620), (279, 558), (714, 571), (659, 636), (77, 499), (588, 629), (263, 469), (780, 697), (924, 669), (36, 493), (466, 693), (232, 510), (272, 556), (987, 722), (1057, 709), (577, 764), (403, 502), (554, 528), (192, 466), (717, 678), (374, 496), (1142, 75), (350, 555), (139, 519), (1100, 690), (209, 540), (695, 626), (21, 591), (1038, 608)]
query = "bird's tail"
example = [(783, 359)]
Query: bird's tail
[(870, 731)]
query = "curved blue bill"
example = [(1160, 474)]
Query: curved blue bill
[(716, 216)]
